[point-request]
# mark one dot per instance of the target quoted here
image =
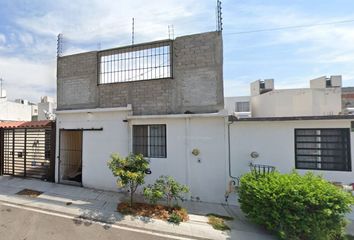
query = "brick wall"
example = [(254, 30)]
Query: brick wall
[(196, 86)]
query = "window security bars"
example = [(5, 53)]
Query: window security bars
[(150, 140), (135, 63), (323, 149)]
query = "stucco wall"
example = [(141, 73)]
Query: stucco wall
[(11, 111), (97, 145), (230, 103), (206, 177), (274, 141), (297, 102), (204, 174), (196, 86)]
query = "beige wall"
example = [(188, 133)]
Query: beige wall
[(297, 102)]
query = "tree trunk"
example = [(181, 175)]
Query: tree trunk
[(131, 196)]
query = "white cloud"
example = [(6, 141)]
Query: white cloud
[(110, 20), (2, 39), (27, 79), (29, 72)]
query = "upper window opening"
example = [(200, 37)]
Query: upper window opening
[(242, 107), (135, 63)]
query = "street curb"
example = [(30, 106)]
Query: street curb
[(103, 222)]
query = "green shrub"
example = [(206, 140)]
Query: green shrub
[(295, 206), (165, 187), (175, 218), (130, 170)]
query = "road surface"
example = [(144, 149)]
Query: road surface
[(18, 223)]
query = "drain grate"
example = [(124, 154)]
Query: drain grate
[(29, 193)]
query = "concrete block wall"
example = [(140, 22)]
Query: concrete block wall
[(77, 81), (196, 85)]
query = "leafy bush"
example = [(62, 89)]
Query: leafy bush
[(130, 171), (165, 187), (295, 206), (175, 218)]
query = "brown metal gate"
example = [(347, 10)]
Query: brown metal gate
[(28, 152)]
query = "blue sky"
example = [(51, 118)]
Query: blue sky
[(292, 57)]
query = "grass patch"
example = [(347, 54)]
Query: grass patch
[(218, 223), (158, 211), (226, 218)]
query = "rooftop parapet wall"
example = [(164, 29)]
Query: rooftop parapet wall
[(196, 84)]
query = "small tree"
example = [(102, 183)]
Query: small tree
[(165, 187), (130, 171)]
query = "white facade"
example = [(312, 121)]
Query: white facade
[(297, 102), (107, 131), (274, 141), (205, 174), (231, 105), (12, 111)]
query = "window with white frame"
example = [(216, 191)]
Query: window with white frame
[(150, 140), (323, 149), (242, 107)]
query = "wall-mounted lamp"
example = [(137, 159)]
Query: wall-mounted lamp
[(195, 151), (254, 155)]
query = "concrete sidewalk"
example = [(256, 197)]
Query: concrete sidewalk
[(101, 206)]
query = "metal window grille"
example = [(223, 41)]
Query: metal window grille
[(242, 107), (150, 140), (323, 149), (135, 63)]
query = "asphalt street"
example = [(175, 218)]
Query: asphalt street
[(23, 224)]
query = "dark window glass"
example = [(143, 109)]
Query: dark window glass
[(150, 140), (323, 149)]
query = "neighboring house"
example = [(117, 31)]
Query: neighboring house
[(324, 97), (321, 99), (348, 99), (15, 111), (238, 106), (46, 108)]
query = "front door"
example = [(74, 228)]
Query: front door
[(70, 157)]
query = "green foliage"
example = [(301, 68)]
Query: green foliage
[(295, 206), (175, 218), (217, 223), (226, 218), (130, 171), (165, 187)]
